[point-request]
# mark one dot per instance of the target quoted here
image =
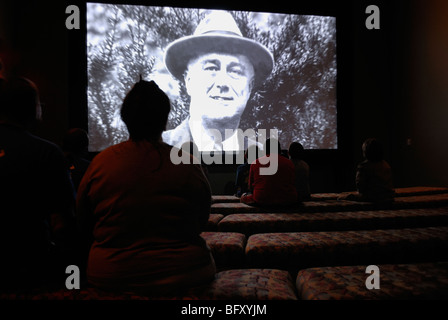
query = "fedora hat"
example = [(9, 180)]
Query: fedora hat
[(217, 33)]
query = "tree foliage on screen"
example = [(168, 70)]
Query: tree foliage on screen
[(298, 99)]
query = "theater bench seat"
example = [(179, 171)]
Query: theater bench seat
[(253, 223), (299, 250), (227, 248), (213, 221), (239, 284), (396, 281)]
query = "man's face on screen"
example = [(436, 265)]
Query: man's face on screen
[(219, 85)]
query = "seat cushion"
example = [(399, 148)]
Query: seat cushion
[(249, 284), (396, 281), (237, 284), (213, 221), (227, 248), (253, 223), (299, 250)]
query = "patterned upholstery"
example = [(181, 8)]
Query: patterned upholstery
[(399, 192), (331, 263), (293, 251), (227, 248), (250, 284), (308, 206), (233, 207), (335, 205), (324, 196), (244, 284), (213, 221), (224, 199), (414, 191), (253, 223), (401, 281), (419, 201)]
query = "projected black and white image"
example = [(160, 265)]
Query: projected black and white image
[(221, 70)]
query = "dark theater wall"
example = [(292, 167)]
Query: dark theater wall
[(380, 81), (395, 82), (400, 88), (33, 44), (429, 91)]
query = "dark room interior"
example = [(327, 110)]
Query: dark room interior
[(391, 85)]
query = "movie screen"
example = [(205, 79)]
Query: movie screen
[(231, 76)]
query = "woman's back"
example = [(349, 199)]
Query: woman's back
[(147, 217), (374, 181), (144, 213)]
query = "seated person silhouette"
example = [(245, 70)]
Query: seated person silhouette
[(75, 146), (374, 181), (242, 171), (276, 188), (302, 170), (145, 214), (36, 194), (191, 148)]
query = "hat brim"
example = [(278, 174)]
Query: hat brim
[(180, 52)]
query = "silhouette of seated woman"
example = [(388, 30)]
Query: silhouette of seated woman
[(374, 181), (36, 194), (144, 214), (302, 170), (195, 157), (75, 146), (242, 171), (271, 189)]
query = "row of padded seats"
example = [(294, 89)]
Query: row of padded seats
[(399, 192), (294, 251), (326, 244), (422, 281), (403, 202), (235, 284), (328, 263), (299, 250), (397, 281), (253, 223)]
